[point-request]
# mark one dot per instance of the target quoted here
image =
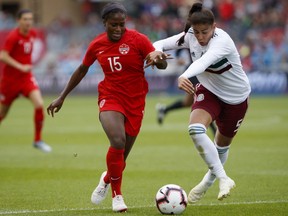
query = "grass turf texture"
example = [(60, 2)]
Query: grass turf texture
[(60, 183)]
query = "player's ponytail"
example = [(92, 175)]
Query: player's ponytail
[(197, 7)]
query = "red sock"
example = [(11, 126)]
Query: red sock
[(107, 176), (115, 164), (38, 123)]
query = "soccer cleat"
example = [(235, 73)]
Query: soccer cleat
[(225, 185), (118, 204), (100, 192), (160, 112), (198, 192), (42, 146)]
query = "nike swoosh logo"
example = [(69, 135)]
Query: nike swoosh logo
[(114, 179)]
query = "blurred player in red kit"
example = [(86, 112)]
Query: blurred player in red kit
[(17, 78), (121, 53)]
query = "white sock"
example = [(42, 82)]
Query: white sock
[(206, 149), (223, 152)]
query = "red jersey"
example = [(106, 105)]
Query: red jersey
[(19, 47), (122, 63)]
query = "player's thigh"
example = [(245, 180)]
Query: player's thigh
[(205, 108), (30, 89), (9, 91), (113, 125), (231, 118), (36, 98), (200, 116)]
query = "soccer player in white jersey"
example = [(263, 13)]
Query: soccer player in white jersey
[(222, 94)]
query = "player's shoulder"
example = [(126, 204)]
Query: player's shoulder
[(220, 34), (33, 32), (221, 38), (190, 34), (132, 33), (99, 39), (13, 33)]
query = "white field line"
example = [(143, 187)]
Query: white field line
[(134, 207)]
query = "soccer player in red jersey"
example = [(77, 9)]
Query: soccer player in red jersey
[(17, 76), (121, 53)]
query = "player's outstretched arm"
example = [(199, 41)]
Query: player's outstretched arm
[(75, 79)]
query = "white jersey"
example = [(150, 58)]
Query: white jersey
[(216, 65)]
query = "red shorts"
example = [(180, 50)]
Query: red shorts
[(228, 117), (133, 116), (10, 89)]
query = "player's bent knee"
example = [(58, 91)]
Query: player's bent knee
[(118, 142)]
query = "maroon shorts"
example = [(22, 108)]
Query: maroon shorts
[(228, 117), (133, 117), (10, 89)]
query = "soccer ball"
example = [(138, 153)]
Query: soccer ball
[(171, 199)]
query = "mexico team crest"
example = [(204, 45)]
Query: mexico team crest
[(200, 97), (124, 49)]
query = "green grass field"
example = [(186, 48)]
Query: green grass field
[(34, 183)]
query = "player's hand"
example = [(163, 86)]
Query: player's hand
[(186, 85), (55, 106), (26, 68), (155, 57)]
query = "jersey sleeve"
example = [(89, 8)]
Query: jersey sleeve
[(10, 42), (144, 44), (170, 43), (90, 56)]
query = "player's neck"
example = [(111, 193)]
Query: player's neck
[(24, 31)]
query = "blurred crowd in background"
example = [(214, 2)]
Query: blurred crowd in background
[(258, 27)]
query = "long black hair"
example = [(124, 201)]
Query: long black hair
[(197, 15)]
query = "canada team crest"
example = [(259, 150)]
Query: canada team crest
[(124, 49)]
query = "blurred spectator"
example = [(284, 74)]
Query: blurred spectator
[(7, 21), (259, 28), (226, 10)]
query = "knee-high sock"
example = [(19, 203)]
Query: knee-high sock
[(107, 176), (38, 123), (223, 153), (206, 149), (115, 164)]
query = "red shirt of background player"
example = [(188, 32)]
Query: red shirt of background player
[(20, 48)]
